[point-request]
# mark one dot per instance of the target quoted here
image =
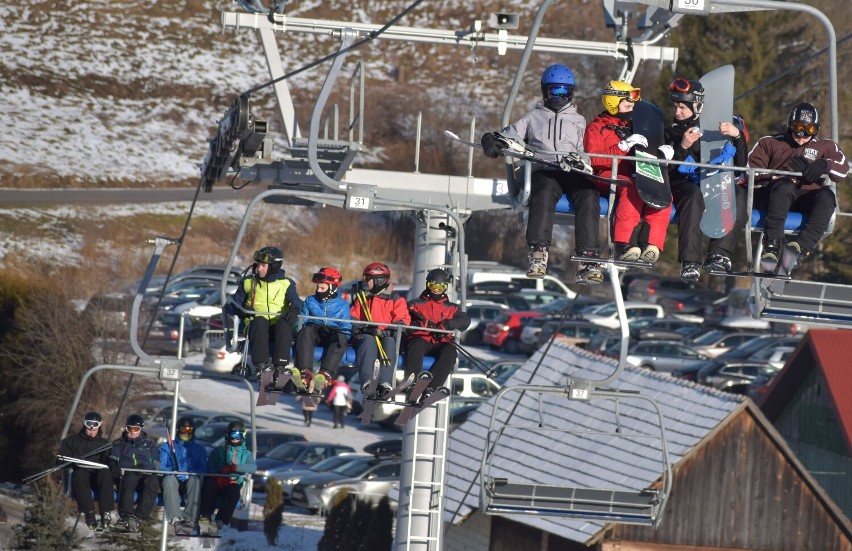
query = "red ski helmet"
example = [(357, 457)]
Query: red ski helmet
[(330, 276), (379, 273)]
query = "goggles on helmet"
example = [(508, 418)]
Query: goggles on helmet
[(133, 429), (559, 90), (320, 277), (436, 288), (92, 424), (235, 435), (186, 430), (680, 85), (804, 128), (264, 257)]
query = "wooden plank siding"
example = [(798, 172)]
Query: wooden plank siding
[(508, 535), (742, 490)]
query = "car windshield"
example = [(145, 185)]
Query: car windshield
[(330, 463), (709, 338), (606, 310), (285, 452), (353, 468)]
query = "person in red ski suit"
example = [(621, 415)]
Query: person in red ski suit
[(434, 310), (611, 133)]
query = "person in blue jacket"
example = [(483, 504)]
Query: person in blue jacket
[(190, 457), (331, 335), (234, 459)]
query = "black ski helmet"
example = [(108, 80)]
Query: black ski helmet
[(185, 428), (437, 280), (807, 115), (236, 427), (135, 420), (271, 256), (92, 420), (690, 92)]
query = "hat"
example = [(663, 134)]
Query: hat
[(341, 378)]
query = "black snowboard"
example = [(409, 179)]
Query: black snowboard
[(652, 179)]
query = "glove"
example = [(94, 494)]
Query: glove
[(667, 151), (291, 316), (372, 330), (814, 170), (798, 164), (575, 161), (490, 145), (358, 287), (631, 141)]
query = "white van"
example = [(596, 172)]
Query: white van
[(481, 272)]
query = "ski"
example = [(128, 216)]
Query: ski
[(759, 275), (717, 186), (411, 410), (652, 179), (370, 404), (423, 380), (264, 396), (621, 263)]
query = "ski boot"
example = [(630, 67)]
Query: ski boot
[(91, 521), (207, 527), (276, 373), (383, 390), (260, 368), (184, 527), (716, 262), (627, 252), (690, 272), (650, 255), (792, 258), (322, 379), (771, 255), (107, 520), (589, 273), (537, 257)]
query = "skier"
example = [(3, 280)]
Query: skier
[(796, 150), (231, 458), (340, 400), (333, 336), (611, 133), (376, 300), (134, 450), (187, 455), (267, 290), (683, 136), (433, 310), (556, 125), (85, 445)]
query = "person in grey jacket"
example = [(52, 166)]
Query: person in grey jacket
[(555, 125)]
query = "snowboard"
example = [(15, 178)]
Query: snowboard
[(652, 179), (717, 186)]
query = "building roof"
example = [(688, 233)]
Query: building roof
[(831, 351), (552, 456)]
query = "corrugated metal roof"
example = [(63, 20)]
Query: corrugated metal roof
[(833, 350), (529, 454)]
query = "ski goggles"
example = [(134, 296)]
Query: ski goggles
[(559, 90), (264, 258), (235, 435), (322, 278), (436, 287), (632, 96), (804, 128), (186, 430), (133, 429), (680, 85), (92, 424)]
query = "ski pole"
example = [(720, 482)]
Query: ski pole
[(362, 298), (171, 442), (488, 372), (42, 474)]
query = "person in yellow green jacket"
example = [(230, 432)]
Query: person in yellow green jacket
[(272, 308)]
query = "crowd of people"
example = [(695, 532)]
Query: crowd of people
[(638, 230)]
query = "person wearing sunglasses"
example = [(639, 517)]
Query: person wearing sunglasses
[(433, 310), (798, 149), (267, 291), (683, 139), (375, 300), (611, 133), (232, 458), (553, 125), (332, 336), (183, 454), (134, 450), (88, 444)]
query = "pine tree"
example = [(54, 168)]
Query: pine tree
[(336, 523), (351, 539), (45, 527), (273, 511), (379, 533)]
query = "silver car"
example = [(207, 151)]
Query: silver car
[(289, 478), (370, 478), (661, 355)]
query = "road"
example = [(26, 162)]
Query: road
[(22, 197)]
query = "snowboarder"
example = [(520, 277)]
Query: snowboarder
[(433, 310), (375, 300), (187, 455), (556, 125), (85, 445), (796, 150), (231, 458), (134, 450), (683, 136), (267, 291), (611, 133), (333, 336)]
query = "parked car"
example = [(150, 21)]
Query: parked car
[(207, 307), (607, 315), (154, 411), (293, 456), (505, 332), (212, 435), (481, 312), (650, 287), (688, 304), (481, 271), (523, 300), (501, 371), (662, 329), (720, 341), (574, 332), (748, 348), (292, 477), (726, 374), (663, 356), (602, 340), (164, 335), (219, 359), (368, 478), (776, 356), (200, 417)]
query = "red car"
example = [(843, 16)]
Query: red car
[(505, 331)]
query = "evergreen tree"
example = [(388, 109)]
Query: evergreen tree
[(273, 511), (379, 533), (45, 520), (355, 530), (336, 523)]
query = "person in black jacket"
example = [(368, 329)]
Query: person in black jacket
[(134, 450), (434, 310), (88, 444)]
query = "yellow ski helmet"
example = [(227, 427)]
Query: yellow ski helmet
[(617, 91)]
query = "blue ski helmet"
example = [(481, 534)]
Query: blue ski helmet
[(557, 80)]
